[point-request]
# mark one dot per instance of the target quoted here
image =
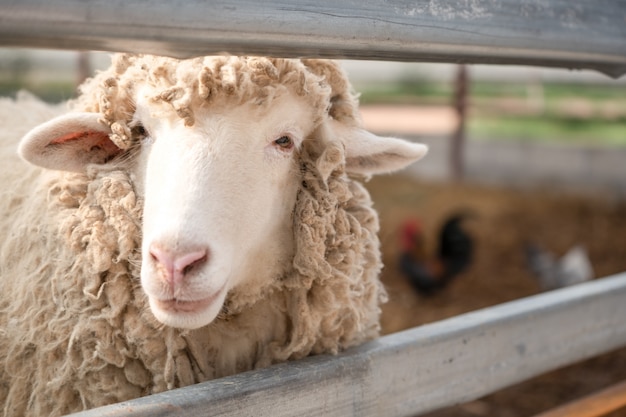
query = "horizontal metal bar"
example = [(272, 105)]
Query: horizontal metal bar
[(418, 370), (563, 33)]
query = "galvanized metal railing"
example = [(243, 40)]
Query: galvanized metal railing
[(562, 33)]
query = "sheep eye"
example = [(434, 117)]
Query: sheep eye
[(284, 142), (139, 131)]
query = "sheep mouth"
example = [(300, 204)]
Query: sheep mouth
[(178, 306), (186, 313), (184, 306)]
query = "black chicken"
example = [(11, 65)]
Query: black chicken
[(429, 274)]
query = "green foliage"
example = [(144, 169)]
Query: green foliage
[(408, 91), (549, 129)]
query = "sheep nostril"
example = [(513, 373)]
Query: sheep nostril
[(172, 266), (189, 261)]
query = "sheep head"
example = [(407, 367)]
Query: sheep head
[(215, 146)]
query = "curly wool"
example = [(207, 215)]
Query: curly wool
[(186, 84), (76, 328)]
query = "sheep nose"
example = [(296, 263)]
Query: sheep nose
[(173, 267)]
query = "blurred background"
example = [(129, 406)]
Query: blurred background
[(523, 191), (520, 125)]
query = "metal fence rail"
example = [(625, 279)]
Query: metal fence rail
[(418, 370), (563, 33)]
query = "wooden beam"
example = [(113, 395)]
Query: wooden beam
[(418, 370), (562, 33)]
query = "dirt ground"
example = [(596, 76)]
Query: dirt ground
[(504, 220)]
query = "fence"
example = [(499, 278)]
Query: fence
[(431, 366), (581, 168)]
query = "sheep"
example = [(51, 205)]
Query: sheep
[(187, 220)]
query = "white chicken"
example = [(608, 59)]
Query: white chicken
[(572, 268)]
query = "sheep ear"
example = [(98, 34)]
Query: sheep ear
[(369, 154), (69, 143)]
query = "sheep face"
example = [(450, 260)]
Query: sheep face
[(219, 192), (218, 203)]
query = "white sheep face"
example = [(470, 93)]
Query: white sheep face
[(218, 195), (218, 202)]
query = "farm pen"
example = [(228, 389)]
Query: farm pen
[(451, 361)]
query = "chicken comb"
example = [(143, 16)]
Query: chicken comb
[(410, 229)]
